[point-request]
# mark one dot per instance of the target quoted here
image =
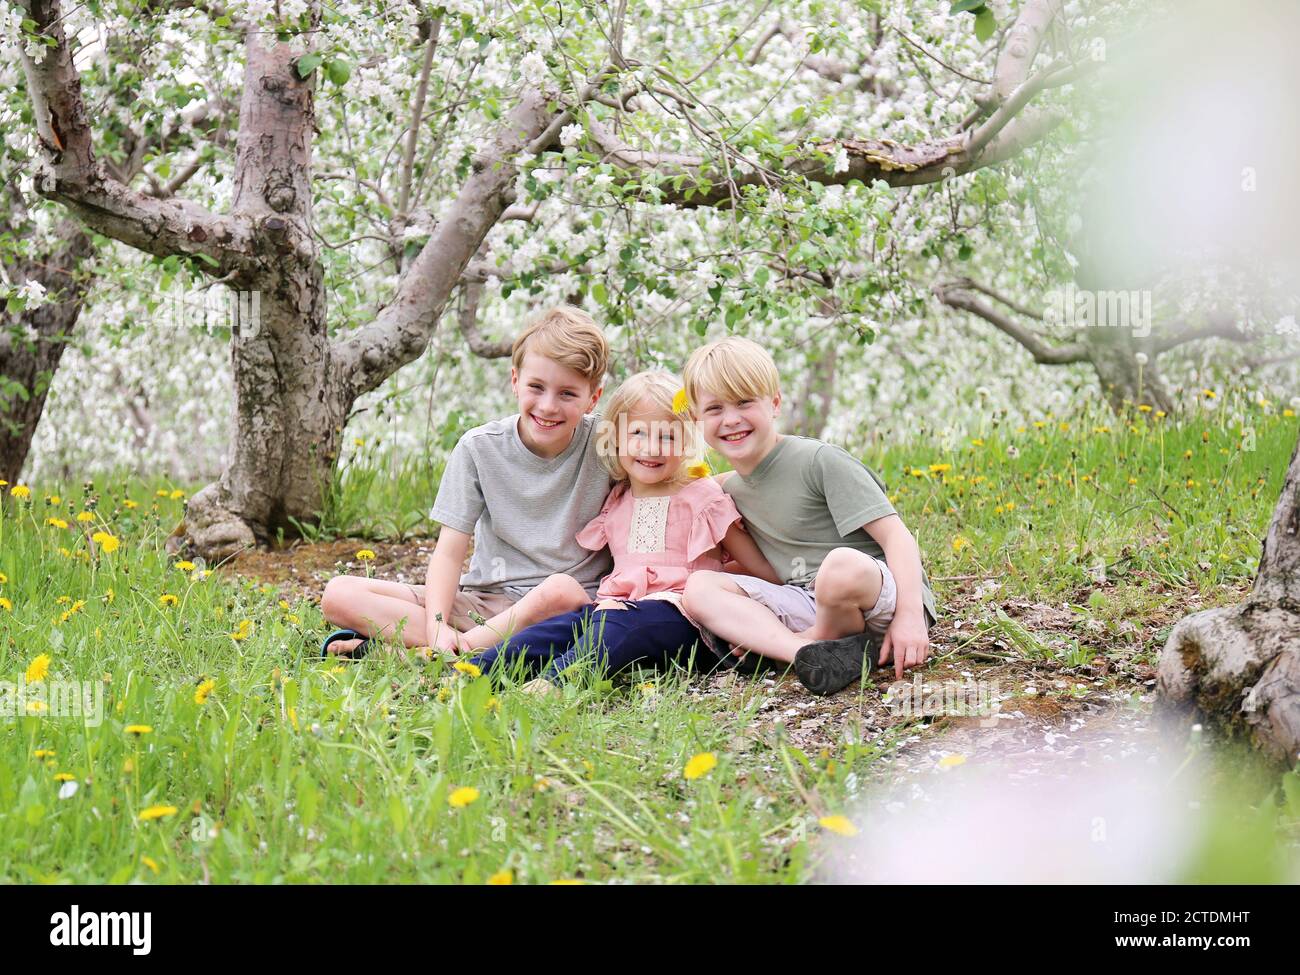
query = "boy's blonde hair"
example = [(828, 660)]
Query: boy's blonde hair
[(732, 369), (569, 336), (660, 389)]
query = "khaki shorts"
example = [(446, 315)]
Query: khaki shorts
[(796, 606), (483, 603)]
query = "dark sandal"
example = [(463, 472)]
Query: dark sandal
[(357, 652)]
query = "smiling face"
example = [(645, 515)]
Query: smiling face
[(742, 431), (552, 400), (652, 448)]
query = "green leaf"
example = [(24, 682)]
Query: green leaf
[(961, 6), (339, 71), (308, 63), (985, 24)]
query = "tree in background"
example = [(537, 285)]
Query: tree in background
[(599, 100)]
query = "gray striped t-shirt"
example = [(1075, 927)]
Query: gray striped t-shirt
[(524, 510)]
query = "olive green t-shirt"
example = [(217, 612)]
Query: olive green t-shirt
[(806, 498)]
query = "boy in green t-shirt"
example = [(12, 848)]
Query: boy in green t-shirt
[(851, 570)]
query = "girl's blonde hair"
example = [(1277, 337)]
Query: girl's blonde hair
[(733, 369), (662, 390)]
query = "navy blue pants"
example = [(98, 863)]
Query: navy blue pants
[(650, 632)]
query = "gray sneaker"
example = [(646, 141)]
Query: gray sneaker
[(828, 666)]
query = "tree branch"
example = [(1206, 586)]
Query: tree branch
[(1042, 351), (1021, 44), (399, 334), (70, 173), (1216, 327), (467, 319)]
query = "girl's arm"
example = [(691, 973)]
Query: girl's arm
[(745, 551)]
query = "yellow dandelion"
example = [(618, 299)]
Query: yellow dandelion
[(157, 812), (952, 761), (681, 403), (85, 517), (36, 707), (106, 541), (203, 690), (701, 764), (44, 753), (138, 729), (1160, 414), (56, 522), (365, 555), (493, 705), (21, 492), (959, 543), (244, 631), (502, 878), (185, 566), (566, 882), (38, 668), (462, 797), (467, 668), (840, 825), (3, 578), (940, 468), (1144, 408), (167, 599), (6, 605), (698, 470), (177, 494), (1210, 394), (150, 862), (129, 504), (64, 777), (1288, 412), (161, 492), (977, 442)]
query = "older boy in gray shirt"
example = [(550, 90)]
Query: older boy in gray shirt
[(521, 487)]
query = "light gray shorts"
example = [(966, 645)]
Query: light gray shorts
[(796, 606)]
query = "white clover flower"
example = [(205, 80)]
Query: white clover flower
[(841, 160)]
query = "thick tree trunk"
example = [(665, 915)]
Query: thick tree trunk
[(1239, 666), (288, 412), (1126, 384), (32, 342)]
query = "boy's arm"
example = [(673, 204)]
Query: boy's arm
[(749, 560), (907, 640), (441, 583)]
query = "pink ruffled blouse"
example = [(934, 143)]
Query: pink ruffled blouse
[(658, 542)]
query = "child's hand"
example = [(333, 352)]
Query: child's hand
[(907, 641), (448, 640)]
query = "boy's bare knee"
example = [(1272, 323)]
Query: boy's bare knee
[(849, 577)]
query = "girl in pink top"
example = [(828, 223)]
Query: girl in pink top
[(663, 519)]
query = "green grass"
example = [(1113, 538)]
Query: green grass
[(299, 770)]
